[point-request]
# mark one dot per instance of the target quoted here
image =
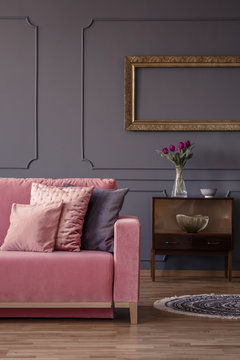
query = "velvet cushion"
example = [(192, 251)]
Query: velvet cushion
[(75, 203), (60, 276), (17, 190), (32, 228), (103, 211)]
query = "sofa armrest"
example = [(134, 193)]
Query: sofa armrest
[(126, 260)]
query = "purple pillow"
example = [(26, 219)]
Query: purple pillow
[(103, 210)]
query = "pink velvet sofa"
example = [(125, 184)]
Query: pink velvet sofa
[(85, 284)]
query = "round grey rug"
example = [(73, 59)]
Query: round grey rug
[(207, 305)]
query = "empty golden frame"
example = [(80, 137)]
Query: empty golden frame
[(134, 62)]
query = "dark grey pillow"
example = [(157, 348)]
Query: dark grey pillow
[(103, 210)]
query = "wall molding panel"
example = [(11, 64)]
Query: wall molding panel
[(18, 103), (229, 174)]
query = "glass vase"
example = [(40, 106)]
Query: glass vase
[(179, 187)]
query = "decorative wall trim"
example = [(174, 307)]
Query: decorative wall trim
[(83, 158), (151, 191), (165, 194), (186, 180), (83, 29), (35, 29)]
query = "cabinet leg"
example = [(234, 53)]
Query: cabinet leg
[(153, 265), (230, 266), (226, 267)]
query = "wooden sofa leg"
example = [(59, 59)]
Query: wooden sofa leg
[(133, 309)]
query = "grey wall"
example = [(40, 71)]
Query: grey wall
[(40, 113)]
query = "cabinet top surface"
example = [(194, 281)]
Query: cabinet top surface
[(193, 198)]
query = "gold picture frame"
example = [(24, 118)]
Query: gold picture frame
[(133, 62)]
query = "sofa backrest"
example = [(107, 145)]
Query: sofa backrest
[(15, 190)]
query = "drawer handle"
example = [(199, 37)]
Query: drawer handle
[(213, 243), (171, 242)]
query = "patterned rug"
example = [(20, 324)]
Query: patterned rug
[(206, 305)]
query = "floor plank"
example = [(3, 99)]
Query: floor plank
[(159, 335)]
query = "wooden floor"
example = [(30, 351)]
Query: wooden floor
[(158, 335)]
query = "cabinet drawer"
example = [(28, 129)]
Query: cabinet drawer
[(192, 242), (212, 244), (172, 242)]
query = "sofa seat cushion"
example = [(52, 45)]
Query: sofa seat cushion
[(60, 276)]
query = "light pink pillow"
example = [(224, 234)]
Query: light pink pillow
[(32, 228), (75, 202)]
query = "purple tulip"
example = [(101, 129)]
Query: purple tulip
[(172, 148), (165, 150), (180, 146), (187, 144)]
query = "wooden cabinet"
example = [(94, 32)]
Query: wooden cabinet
[(215, 240)]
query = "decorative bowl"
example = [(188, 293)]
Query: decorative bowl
[(192, 224), (208, 193)]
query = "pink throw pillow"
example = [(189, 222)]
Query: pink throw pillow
[(32, 228), (75, 203)]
